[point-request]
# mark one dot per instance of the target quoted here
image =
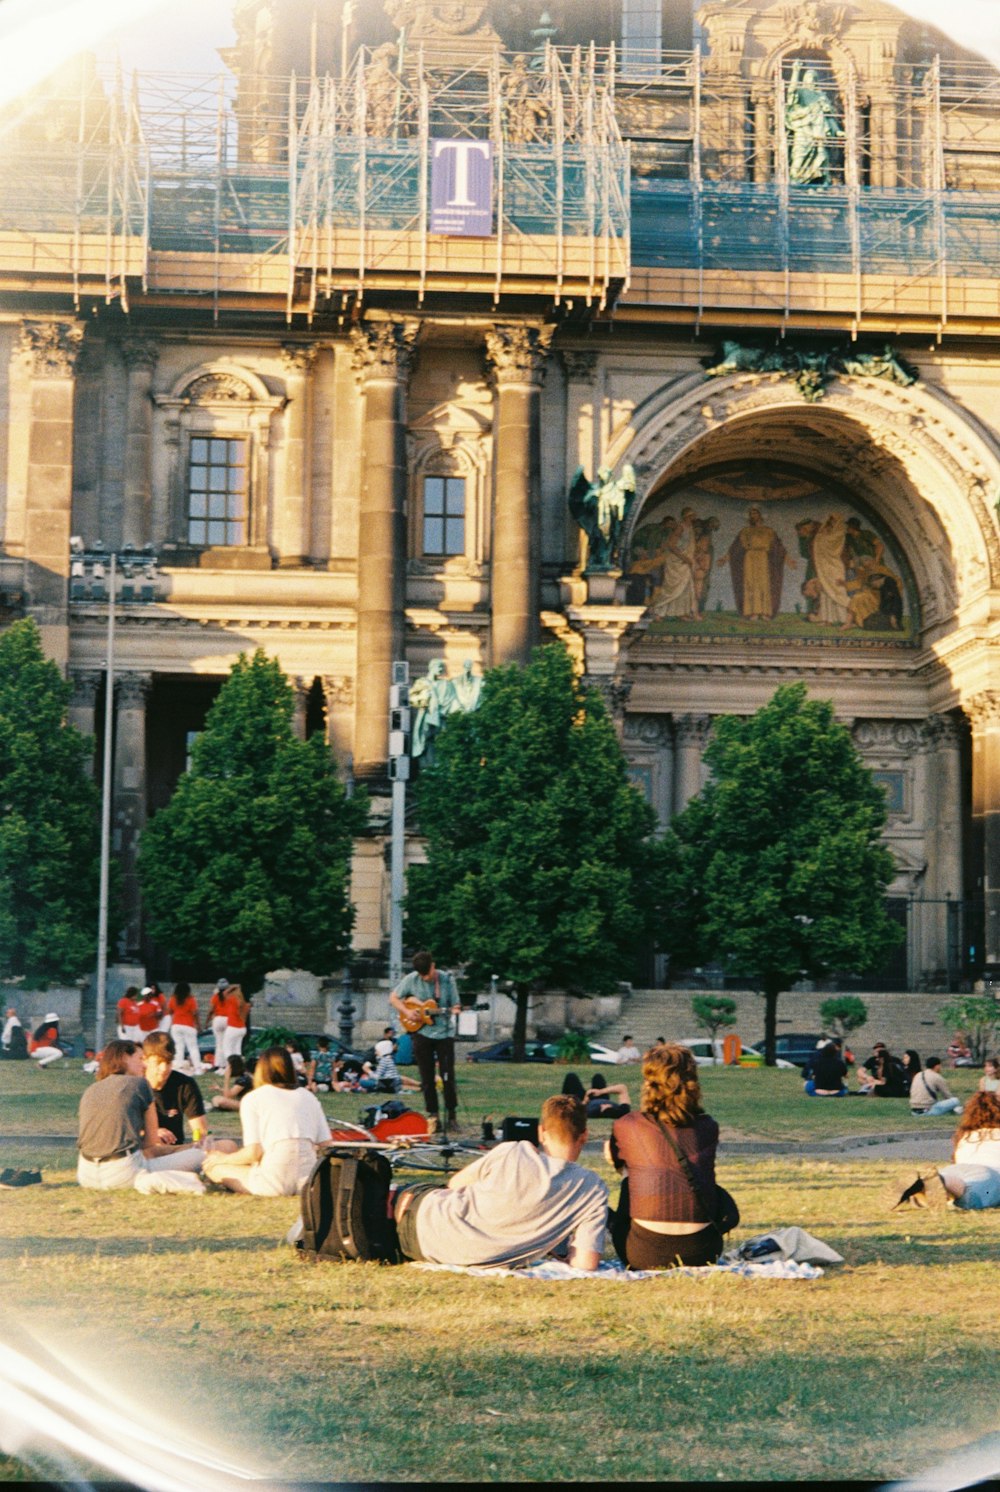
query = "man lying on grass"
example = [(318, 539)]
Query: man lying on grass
[(515, 1205)]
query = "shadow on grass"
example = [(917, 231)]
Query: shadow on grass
[(129, 1248)]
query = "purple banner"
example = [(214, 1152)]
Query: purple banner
[(462, 188)]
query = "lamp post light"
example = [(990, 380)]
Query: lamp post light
[(93, 576)]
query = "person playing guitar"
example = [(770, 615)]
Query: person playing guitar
[(425, 1000)]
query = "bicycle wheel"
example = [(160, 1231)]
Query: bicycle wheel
[(440, 1156)]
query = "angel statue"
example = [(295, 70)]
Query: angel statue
[(600, 508)]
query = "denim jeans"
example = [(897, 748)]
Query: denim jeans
[(982, 1185)]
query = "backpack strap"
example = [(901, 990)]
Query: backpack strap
[(310, 1218), (345, 1199)]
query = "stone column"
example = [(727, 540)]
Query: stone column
[(383, 354), (293, 519), (582, 434), (984, 712), (943, 829), (82, 705), (129, 795), (49, 350), (338, 697), (691, 733), (516, 356), (300, 688), (139, 355)]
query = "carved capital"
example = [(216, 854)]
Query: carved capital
[(338, 691), (580, 367), (898, 736), (133, 690), (516, 354), (983, 710), (140, 353), (85, 683), (692, 730), (942, 733), (383, 350), (298, 357), (51, 348)]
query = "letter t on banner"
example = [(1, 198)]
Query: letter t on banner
[(462, 188)]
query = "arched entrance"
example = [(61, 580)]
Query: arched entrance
[(851, 543)]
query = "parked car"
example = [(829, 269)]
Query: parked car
[(602, 1056), (708, 1053), (307, 1044), (794, 1048), (503, 1051)]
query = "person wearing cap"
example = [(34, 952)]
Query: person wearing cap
[(44, 1044), (220, 1020), (149, 1012)]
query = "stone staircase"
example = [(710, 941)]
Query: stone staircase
[(900, 1019)]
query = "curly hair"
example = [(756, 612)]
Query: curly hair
[(981, 1112), (670, 1088)]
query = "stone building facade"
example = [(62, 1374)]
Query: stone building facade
[(349, 440)]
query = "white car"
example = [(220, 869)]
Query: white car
[(602, 1056), (708, 1053)]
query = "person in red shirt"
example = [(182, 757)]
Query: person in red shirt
[(149, 1011), (160, 1000), (236, 1023), (44, 1043), (184, 1026), (128, 1015), (220, 1020)]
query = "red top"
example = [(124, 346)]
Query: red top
[(235, 1009), (217, 1004), (150, 1011), (128, 1011), (184, 1012), (46, 1037)]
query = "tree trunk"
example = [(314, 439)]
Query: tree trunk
[(520, 1037), (771, 992)]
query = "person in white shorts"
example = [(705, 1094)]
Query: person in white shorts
[(282, 1125)]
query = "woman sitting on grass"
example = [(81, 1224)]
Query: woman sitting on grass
[(990, 1080), (973, 1181), (282, 1125), (118, 1129), (665, 1212), (235, 1086)]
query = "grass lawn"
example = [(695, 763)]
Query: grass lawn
[(355, 1373)]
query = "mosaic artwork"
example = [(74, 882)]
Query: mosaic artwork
[(766, 552)]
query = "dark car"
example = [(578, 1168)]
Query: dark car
[(503, 1051), (306, 1040), (795, 1046)]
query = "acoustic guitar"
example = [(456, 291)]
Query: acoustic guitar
[(417, 1013)]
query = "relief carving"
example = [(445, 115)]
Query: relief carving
[(383, 350), (213, 388), (516, 354), (50, 347)]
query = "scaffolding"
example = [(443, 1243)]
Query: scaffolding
[(657, 183)]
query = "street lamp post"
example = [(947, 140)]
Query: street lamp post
[(89, 568)]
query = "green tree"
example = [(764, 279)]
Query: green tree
[(712, 1012), (49, 823), (978, 1018), (777, 868), (540, 865), (248, 865), (843, 1014)]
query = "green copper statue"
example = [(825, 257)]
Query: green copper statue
[(810, 122), (600, 508)]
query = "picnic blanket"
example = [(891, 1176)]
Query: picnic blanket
[(552, 1269), (782, 1254)]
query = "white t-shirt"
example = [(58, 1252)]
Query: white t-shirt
[(515, 1206), (269, 1115), (980, 1147)]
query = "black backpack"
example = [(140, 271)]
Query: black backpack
[(345, 1209)]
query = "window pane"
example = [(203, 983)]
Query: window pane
[(220, 452), (198, 506), (216, 533), (455, 536), (433, 495), (196, 533), (199, 479), (217, 479), (235, 479), (456, 495), (237, 452), (235, 532), (216, 506), (199, 449), (433, 536)]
